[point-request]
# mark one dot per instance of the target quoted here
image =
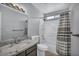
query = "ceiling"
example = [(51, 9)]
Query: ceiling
[(50, 7)]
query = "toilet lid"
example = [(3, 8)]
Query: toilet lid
[(42, 46)]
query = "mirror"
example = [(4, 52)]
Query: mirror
[(12, 24)]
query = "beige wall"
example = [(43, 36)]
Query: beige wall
[(33, 20), (75, 30)]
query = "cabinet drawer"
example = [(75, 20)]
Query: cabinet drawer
[(31, 49)]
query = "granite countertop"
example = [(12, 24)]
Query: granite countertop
[(16, 48)]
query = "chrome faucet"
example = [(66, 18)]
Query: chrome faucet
[(16, 41), (11, 44)]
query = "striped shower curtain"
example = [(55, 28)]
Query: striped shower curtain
[(63, 46)]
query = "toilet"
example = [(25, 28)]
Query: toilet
[(41, 48)]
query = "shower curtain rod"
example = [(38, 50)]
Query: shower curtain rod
[(56, 12), (52, 14), (37, 17)]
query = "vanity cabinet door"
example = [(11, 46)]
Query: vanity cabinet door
[(21, 54), (31, 49), (33, 53)]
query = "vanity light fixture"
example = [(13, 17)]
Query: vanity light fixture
[(15, 6)]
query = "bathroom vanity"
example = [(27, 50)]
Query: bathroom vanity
[(24, 48), (32, 51)]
